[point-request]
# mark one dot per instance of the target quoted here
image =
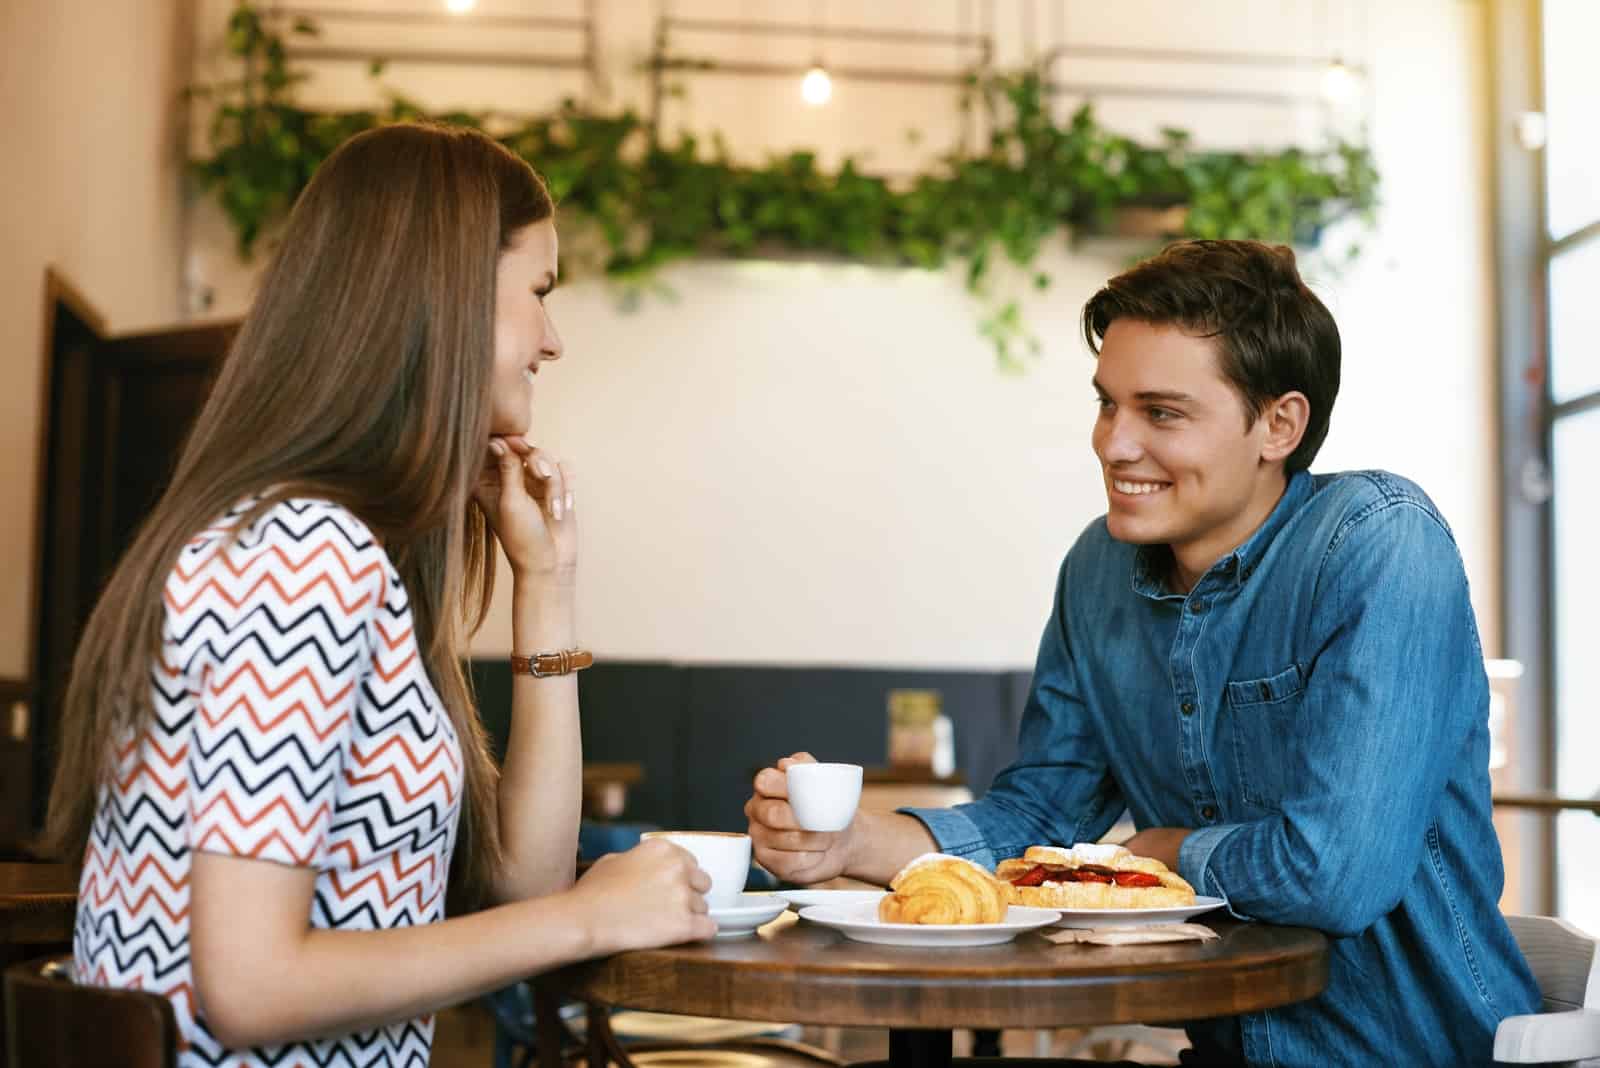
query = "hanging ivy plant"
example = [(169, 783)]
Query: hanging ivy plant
[(652, 202)]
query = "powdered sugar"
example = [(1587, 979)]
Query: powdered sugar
[(931, 858), (1102, 853)]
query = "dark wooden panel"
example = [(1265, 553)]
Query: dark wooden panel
[(743, 718), (631, 713), (116, 413), (638, 712), (700, 732)]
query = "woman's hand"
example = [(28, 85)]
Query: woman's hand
[(528, 498), (652, 895)]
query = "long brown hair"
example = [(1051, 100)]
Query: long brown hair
[(361, 375)]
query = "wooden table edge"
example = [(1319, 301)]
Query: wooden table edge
[(858, 999)]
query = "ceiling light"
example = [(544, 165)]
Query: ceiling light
[(1340, 84), (460, 7), (816, 88)]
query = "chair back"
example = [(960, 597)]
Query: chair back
[(1566, 963), (53, 1022)]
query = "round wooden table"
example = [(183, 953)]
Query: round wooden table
[(802, 973)]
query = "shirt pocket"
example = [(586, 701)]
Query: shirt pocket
[(1263, 715)]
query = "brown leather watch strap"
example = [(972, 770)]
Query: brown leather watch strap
[(543, 665)]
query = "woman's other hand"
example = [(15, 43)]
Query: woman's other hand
[(652, 895)]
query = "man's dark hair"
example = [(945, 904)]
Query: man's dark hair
[(1272, 333)]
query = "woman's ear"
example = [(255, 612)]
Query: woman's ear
[(1285, 418)]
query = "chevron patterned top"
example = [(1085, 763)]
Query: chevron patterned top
[(294, 723)]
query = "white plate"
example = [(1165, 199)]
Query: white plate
[(860, 922), (1137, 917), (740, 920), (802, 898)]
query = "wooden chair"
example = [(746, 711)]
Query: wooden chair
[(52, 1022), (533, 1026), (1566, 962)]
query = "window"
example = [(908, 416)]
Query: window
[(1572, 265)]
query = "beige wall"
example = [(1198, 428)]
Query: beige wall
[(819, 463), (89, 184)]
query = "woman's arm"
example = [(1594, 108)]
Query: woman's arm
[(541, 781), (273, 979), (528, 498)]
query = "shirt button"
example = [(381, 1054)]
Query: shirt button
[(1198, 607), (1209, 812), (1187, 708)]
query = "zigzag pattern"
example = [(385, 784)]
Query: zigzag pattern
[(294, 723)]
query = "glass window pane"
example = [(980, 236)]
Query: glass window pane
[(1575, 320), (1578, 844), (1571, 86), (1576, 442)]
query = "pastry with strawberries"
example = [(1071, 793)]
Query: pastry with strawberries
[(1092, 876)]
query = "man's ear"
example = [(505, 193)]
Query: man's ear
[(1285, 418)]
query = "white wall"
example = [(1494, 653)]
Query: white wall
[(811, 463), (91, 149)]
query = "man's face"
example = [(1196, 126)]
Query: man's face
[(1180, 466)]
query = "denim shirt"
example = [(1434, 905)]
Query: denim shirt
[(1316, 710)]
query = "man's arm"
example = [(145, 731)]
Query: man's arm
[(1393, 689), (1059, 790)]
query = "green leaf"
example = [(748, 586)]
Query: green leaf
[(651, 199)]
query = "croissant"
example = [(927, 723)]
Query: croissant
[(940, 889)]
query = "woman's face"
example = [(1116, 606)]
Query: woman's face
[(524, 336)]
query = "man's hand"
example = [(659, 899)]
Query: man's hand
[(779, 844), (1159, 843), (872, 848)]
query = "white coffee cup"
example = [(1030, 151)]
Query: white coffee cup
[(824, 796), (722, 855)]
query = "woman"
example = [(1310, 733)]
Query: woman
[(268, 742)]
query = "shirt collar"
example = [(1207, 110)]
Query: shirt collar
[(1152, 563)]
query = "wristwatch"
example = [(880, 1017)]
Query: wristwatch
[(544, 665)]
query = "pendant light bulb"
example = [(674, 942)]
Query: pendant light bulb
[(1340, 84), (816, 88)]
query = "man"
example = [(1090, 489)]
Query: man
[(1276, 674)]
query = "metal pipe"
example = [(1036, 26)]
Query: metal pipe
[(527, 22), (863, 74), (1179, 93), (1579, 236), (1184, 55), (442, 56), (855, 33)]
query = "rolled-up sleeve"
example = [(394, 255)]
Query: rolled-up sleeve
[(1059, 790)]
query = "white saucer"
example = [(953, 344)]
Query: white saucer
[(860, 922), (1137, 917), (803, 898), (740, 920)]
